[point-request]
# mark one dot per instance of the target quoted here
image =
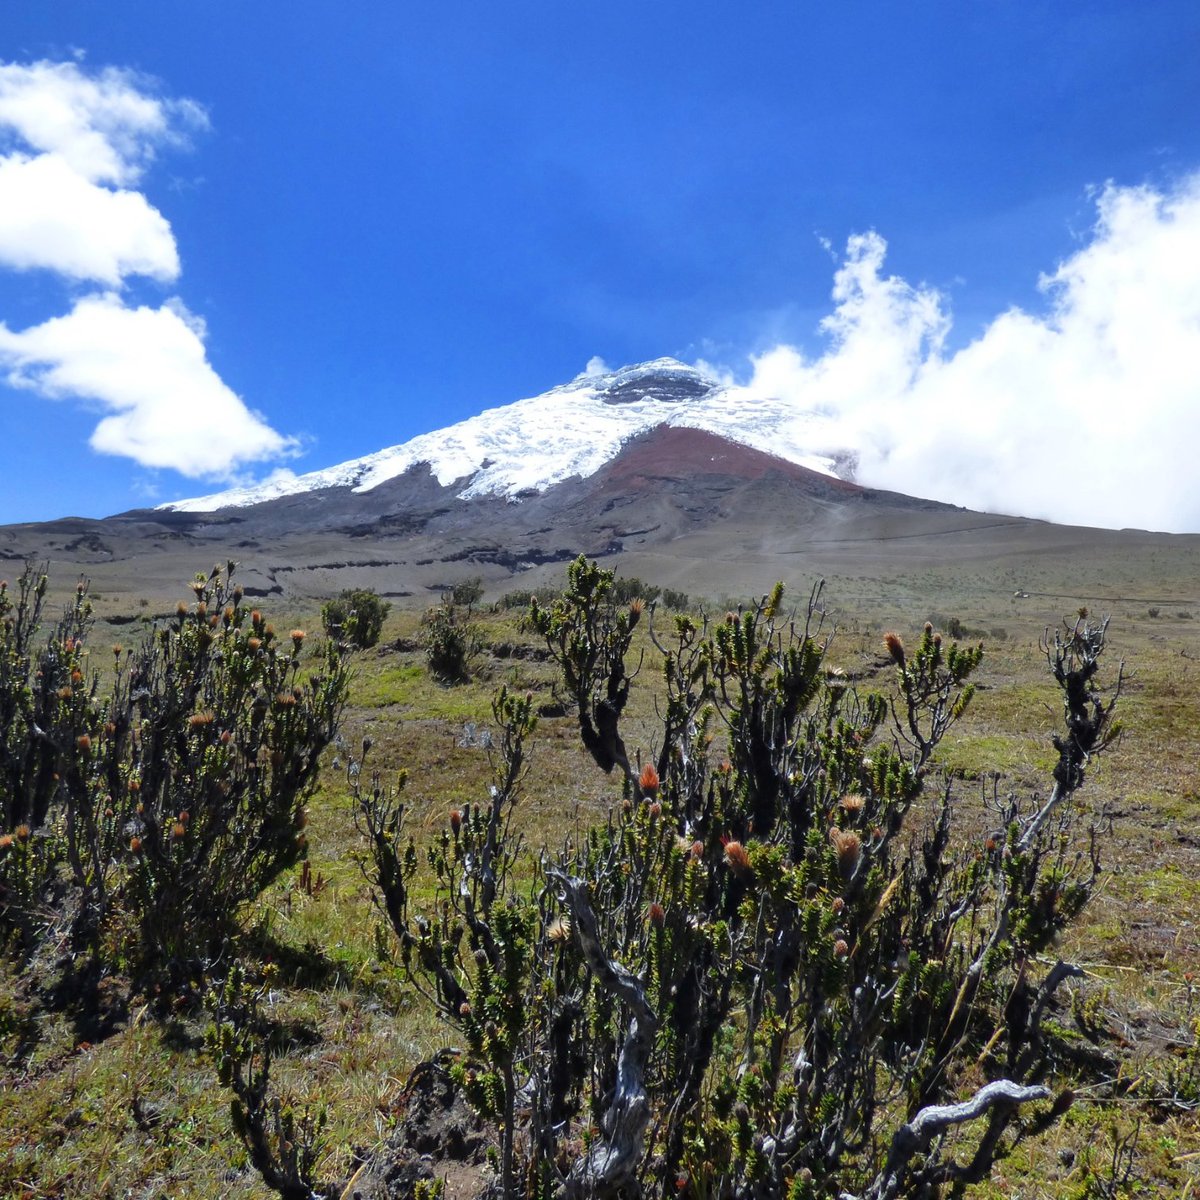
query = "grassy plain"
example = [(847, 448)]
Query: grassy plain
[(133, 1109)]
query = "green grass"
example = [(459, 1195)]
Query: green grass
[(976, 757)]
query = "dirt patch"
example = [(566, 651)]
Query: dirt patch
[(437, 1136)]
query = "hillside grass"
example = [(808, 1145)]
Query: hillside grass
[(133, 1108)]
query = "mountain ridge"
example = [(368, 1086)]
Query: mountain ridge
[(641, 482)]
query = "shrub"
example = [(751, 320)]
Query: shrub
[(283, 1143), (451, 642), (451, 636), (780, 968), (522, 597), (676, 600), (957, 629), (780, 964), (143, 819), (630, 588), (355, 617), (466, 593)]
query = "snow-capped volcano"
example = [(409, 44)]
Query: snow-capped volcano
[(688, 479), (570, 431)]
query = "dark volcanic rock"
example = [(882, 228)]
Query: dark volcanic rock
[(669, 388), (438, 1135)]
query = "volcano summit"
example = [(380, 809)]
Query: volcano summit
[(571, 430)]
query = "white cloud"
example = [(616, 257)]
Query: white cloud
[(73, 146), (53, 218), (105, 125), (1087, 413), (147, 368)]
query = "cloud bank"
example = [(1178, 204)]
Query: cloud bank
[(73, 147), (1086, 413)]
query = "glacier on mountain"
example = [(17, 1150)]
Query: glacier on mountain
[(571, 430)]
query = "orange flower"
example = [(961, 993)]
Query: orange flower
[(736, 856), (657, 914), (559, 930), (895, 647), (848, 846), (648, 780)]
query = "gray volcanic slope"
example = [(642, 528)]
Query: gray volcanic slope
[(678, 506)]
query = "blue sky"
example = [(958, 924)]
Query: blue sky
[(371, 220)]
